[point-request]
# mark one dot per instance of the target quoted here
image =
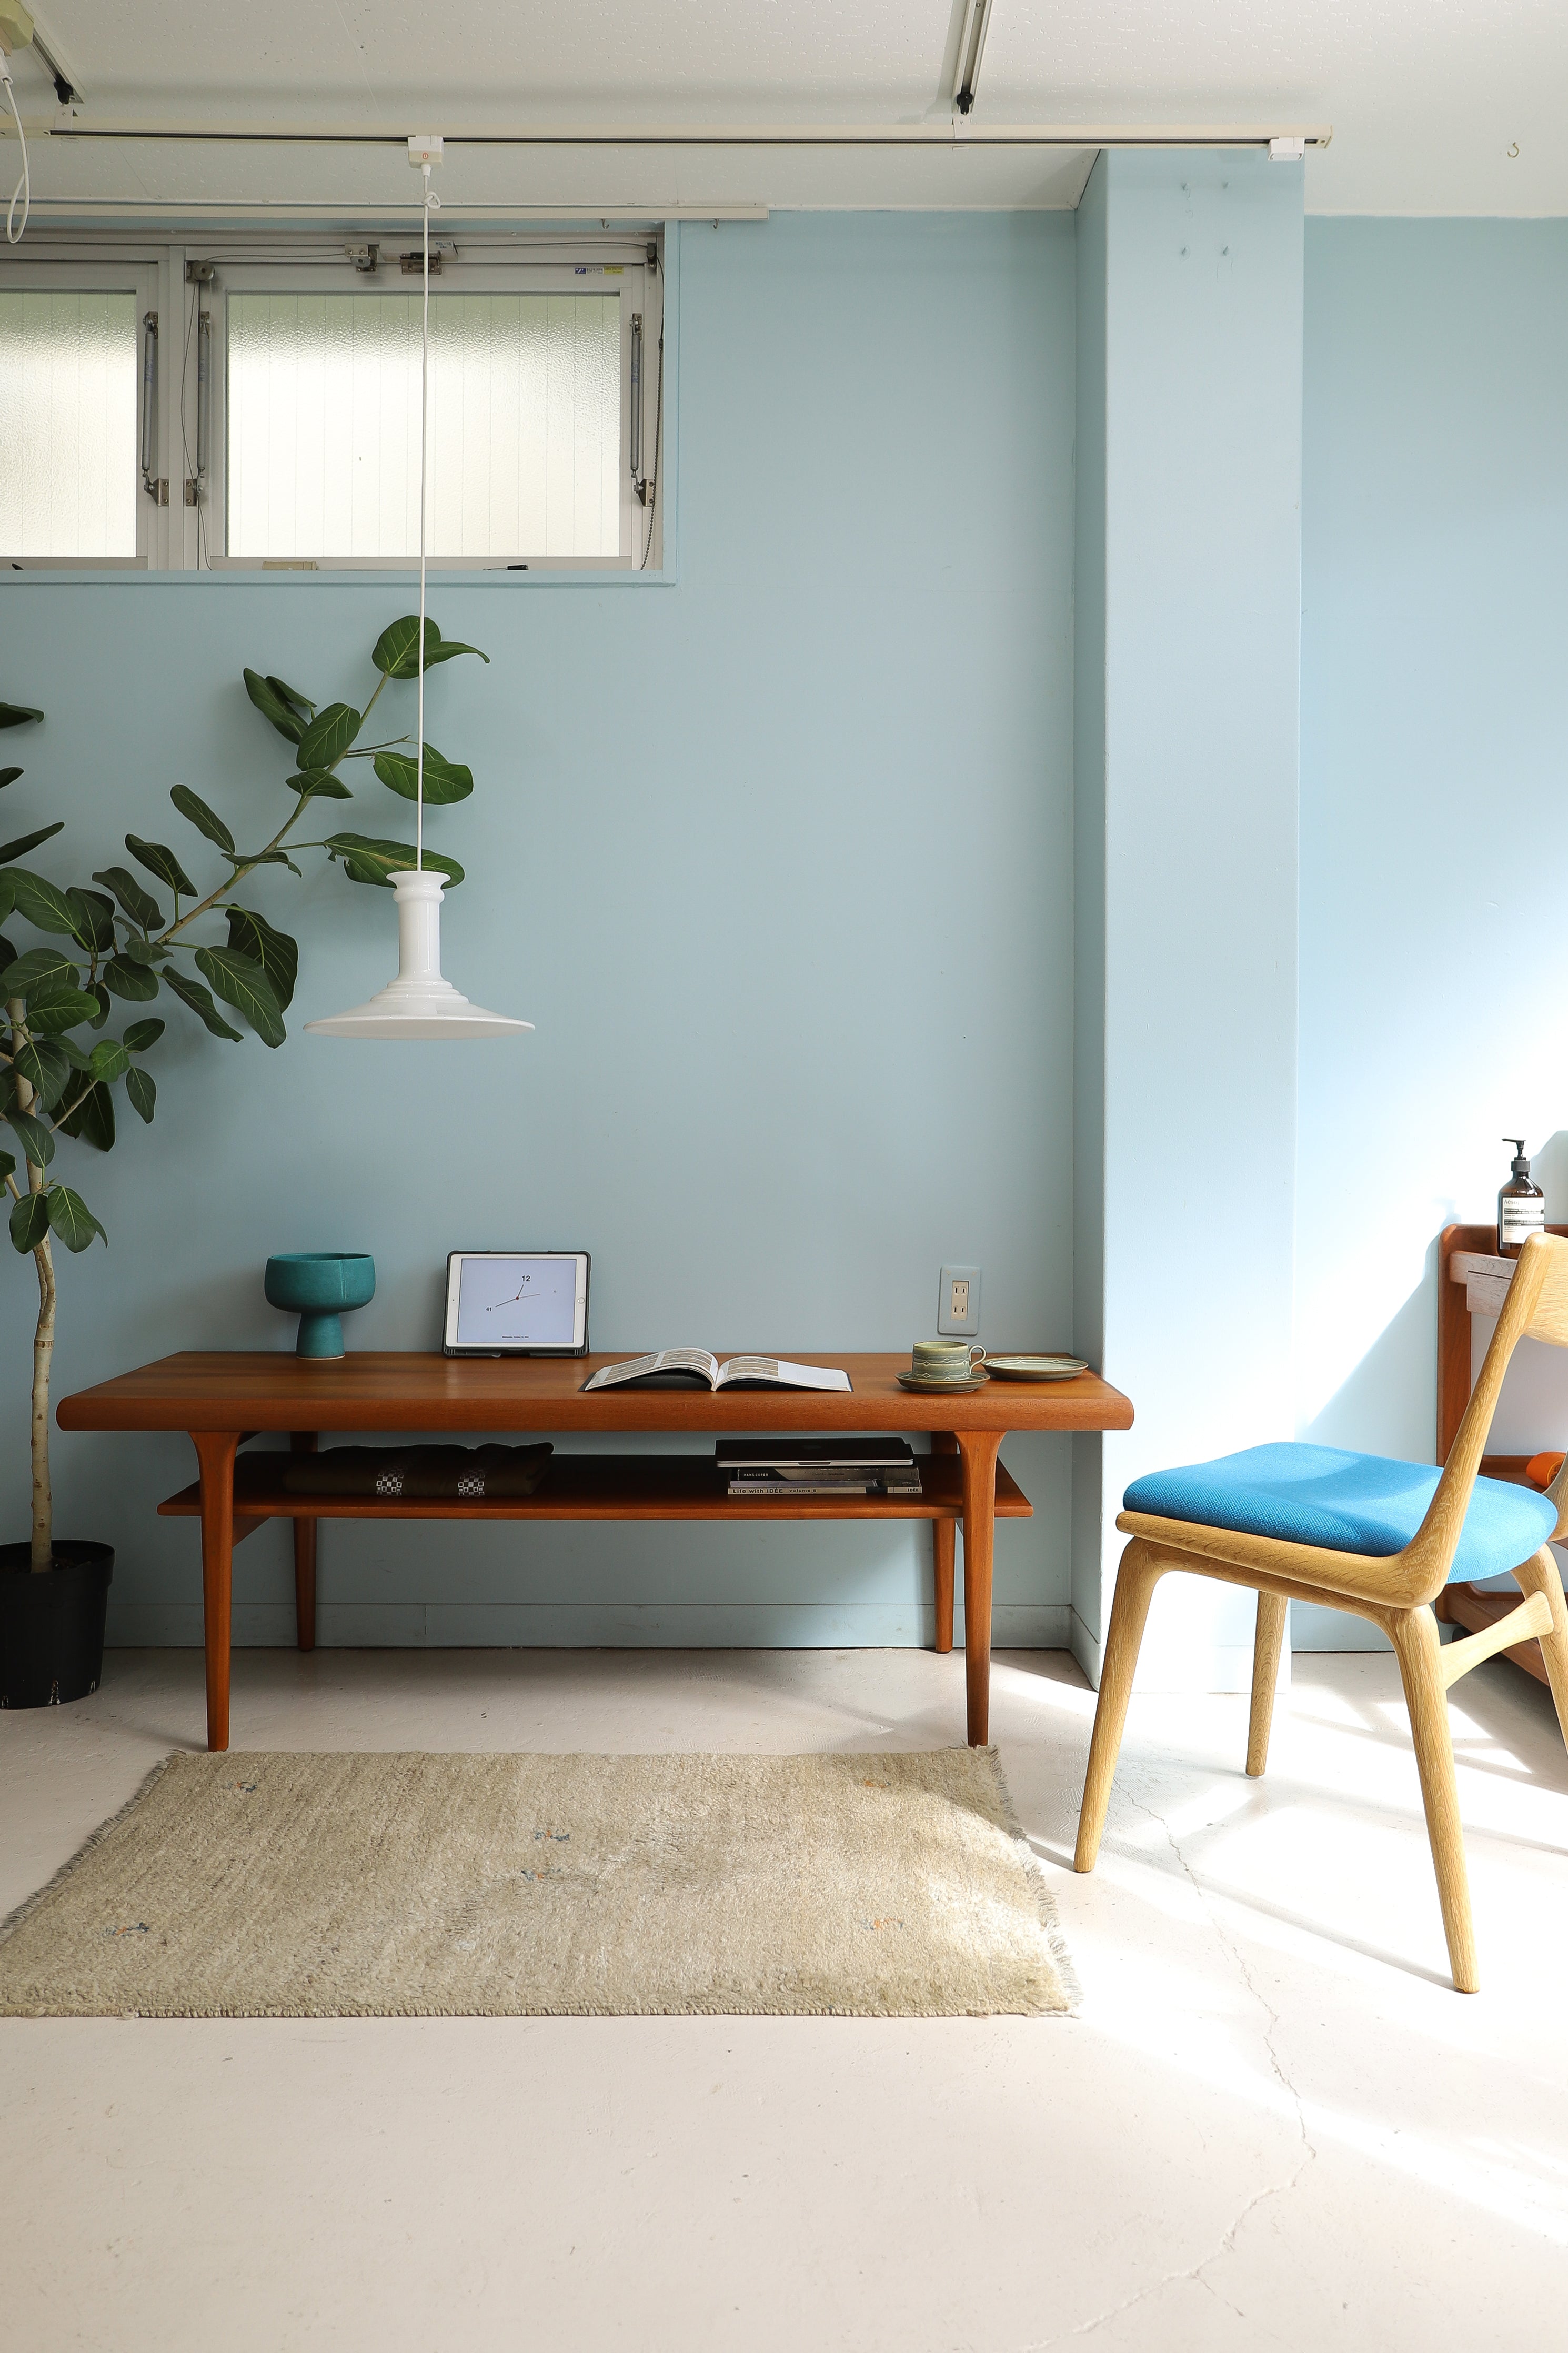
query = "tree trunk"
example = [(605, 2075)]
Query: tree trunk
[(42, 1354)]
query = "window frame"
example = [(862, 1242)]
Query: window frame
[(180, 538), (140, 278)]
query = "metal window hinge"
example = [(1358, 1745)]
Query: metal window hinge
[(193, 491), (158, 491), (364, 259)]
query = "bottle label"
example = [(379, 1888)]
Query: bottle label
[(1520, 1218)]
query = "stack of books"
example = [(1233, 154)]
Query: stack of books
[(818, 1466)]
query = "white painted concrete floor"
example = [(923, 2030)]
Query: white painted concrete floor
[(1271, 2123)]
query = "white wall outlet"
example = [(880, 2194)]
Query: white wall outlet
[(958, 1302)]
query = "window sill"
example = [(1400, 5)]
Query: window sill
[(103, 577)]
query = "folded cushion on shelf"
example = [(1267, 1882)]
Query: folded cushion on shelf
[(1341, 1501), (429, 1474)]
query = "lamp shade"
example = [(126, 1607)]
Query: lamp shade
[(418, 1003)]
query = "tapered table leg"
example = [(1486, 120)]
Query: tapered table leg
[(943, 1539), (215, 1450), (303, 1442), (979, 1449)]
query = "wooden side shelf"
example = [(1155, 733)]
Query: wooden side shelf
[(1465, 1289), (603, 1487)]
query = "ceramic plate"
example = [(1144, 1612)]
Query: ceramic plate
[(941, 1389), (1036, 1369)]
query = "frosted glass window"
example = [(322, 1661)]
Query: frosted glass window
[(69, 455), (324, 425)]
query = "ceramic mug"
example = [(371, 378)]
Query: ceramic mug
[(946, 1360)]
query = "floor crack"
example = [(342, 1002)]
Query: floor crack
[(1195, 2271)]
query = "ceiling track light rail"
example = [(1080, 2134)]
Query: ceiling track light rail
[(961, 132)]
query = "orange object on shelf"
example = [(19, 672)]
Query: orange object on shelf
[(1541, 1469)]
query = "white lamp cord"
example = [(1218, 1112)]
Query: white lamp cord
[(23, 188), (432, 204)]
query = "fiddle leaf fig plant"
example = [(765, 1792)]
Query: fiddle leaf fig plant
[(108, 952)]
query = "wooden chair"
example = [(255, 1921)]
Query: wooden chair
[(1275, 1519)]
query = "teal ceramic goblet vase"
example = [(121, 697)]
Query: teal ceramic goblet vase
[(320, 1286)]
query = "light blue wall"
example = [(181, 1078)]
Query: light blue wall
[(1435, 759), (1193, 783), (778, 858)]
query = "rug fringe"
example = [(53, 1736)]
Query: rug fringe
[(30, 1903), (1050, 1918)]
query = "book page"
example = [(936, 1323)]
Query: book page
[(667, 1361), (779, 1371)]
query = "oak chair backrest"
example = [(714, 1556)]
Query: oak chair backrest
[(1536, 1308)]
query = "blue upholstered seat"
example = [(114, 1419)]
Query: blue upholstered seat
[(1345, 1502)]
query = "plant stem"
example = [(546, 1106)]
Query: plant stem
[(43, 1550), (43, 1543)]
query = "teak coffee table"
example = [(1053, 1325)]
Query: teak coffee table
[(222, 1400)]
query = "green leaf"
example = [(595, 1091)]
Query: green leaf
[(92, 1120), (96, 988), (17, 714), (35, 1137), (7, 893), (25, 841), (275, 952), (140, 950), (29, 1221), (46, 1070), (110, 1060), (138, 982), (162, 861), (94, 920), (143, 1034), (293, 696), (137, 903), (243, 861), (37, 970), (367, 861), (272, 706), (8, 1089), (46, 908), (8, 776), (396, 650), (205, 820), (315, 784), (59, 1013), (444, 780), (71, 1219), (199, 1000), (73, 1054), (8, 955), (7, 1165), (240, 981), (329, 735), (142, 1093)]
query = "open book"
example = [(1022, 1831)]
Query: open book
[(683, 1367)]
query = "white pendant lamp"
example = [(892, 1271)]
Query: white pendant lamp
[(419, 1003)]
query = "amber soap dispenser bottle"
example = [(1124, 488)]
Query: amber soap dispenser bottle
[(1520, 1206)]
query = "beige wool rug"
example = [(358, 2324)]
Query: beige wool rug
[(401, 1885)]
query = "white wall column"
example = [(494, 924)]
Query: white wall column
[(1187, 696)]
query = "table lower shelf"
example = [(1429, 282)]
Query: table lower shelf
[(606, 1487)]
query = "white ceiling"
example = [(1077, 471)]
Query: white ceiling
[(1428, 99)]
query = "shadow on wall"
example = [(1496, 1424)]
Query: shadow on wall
[(1398, 1374)]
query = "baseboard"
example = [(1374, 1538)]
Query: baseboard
[(525, 1625)]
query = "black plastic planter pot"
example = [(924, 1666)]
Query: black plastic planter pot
[(51, 1627)]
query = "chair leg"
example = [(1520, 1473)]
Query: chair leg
[(1542, 1574), (1268, 1644), (1135, 1581), (1414, 1633)]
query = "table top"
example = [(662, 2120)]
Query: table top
[(382, 1389)]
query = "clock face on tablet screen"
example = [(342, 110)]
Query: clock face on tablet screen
[(517, 1302)]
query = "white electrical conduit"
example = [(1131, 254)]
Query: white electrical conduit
[(23, 188)]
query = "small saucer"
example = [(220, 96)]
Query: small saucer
[(941, 1389), (1036, 1368)]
